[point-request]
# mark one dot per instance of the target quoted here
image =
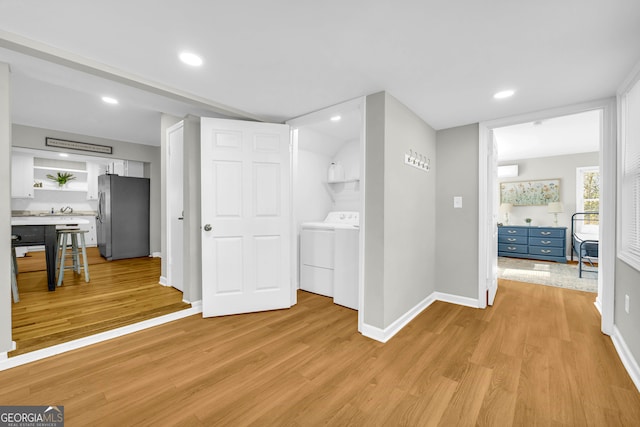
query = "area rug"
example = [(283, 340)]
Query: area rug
[(546, 273)]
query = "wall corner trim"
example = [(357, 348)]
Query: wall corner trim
[(629, 362), (163, 281), (598, 304)]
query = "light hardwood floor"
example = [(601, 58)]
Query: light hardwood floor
[(536, 358), (119, 293)]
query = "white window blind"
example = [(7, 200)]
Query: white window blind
[(630, 191)]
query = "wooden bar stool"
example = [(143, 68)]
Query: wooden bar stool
[(14, 271), (77, 248)]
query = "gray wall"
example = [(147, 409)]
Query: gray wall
[(457, 232), (192, 274), (628, 283), (30, 137), (409, 212), (374, 211), (400, 212), (5, 209)]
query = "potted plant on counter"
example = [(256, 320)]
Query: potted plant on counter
[(62, 178)]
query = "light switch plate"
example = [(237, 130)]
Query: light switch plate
[(457, 202)]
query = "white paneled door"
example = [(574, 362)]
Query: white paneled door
[(246, 210)]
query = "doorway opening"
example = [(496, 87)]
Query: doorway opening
[(328, 203), (544, 187), (489, 214)]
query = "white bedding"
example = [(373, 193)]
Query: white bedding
[(586, 236)]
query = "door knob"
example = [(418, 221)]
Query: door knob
[(207, 227)]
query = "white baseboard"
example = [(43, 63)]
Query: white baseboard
[(384, 335), (456, 299), (5, 355), (626, 356), (163, 281), (598, 304), (195, 305), (94, 339), (156, 254)]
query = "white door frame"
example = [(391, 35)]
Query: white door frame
[(171, 177), (606, 275)]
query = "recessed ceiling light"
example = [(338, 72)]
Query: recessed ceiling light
[(190, 59), (335, 118), (109, 100), (63, 155), (504, 94)]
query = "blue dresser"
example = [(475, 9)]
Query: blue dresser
[(544, 243)]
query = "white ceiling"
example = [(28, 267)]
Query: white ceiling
[(284, 58), (576, 133)]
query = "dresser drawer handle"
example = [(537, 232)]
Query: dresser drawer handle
[(545, 242), (512, 231), (511, 239), (511, 248), (545, 233), (545, 251)]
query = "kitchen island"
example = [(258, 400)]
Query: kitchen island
[(41, 230)]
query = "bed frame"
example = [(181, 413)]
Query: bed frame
[(585, 249)]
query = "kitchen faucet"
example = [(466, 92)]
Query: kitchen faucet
[(66, 208)]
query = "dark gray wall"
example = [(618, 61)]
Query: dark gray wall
[(457, 229)]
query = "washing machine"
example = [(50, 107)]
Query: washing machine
[(329, 252)]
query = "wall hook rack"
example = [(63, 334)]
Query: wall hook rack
[(417, 160)]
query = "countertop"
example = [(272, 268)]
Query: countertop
[(20, 214), (48, 220)]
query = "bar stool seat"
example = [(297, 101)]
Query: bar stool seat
[(14, 271), (78, 248)]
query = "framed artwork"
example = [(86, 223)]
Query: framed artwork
[(530, 193)]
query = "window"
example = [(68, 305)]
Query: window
[(629, 226), (588, 197)]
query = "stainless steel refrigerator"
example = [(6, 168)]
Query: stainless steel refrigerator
[(122, 223)]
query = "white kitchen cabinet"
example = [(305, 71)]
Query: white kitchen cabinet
[(22, 176), (91, 238), (117, 167), (93, 170), (135, 169), (126, 168)]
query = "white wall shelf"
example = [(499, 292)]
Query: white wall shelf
[(59, 169), (344, 181), (59, 189)]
